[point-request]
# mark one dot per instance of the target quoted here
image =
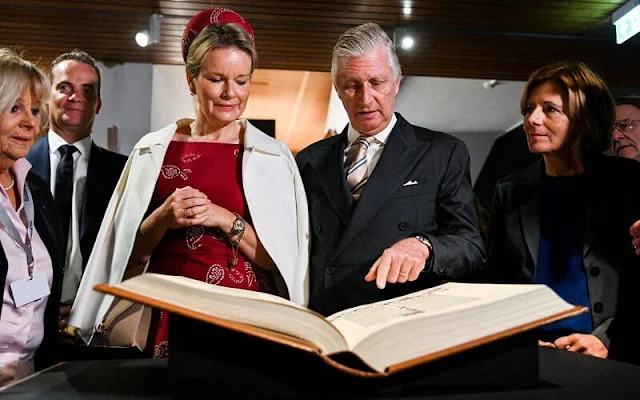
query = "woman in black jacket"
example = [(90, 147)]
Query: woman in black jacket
[(564, 221)]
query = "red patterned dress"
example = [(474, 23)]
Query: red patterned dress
[(199, 252)]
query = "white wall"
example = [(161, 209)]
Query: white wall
[(337, 117), (126, 94), (170, 99), (463, 108)]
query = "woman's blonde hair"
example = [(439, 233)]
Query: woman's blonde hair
[(219, 36), (17, 75)]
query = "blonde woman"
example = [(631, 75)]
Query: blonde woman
[(31, 251)]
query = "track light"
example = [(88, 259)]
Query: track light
[(153, 35)]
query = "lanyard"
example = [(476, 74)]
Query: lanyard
[(13, 232)]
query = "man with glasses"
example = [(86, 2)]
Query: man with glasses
[(625, 138)]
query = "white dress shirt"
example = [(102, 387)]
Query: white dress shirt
[(73, 259), (375, 147)]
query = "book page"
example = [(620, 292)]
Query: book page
[(186, 286), (257, 309), (358, 322)]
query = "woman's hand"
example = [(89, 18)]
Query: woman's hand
[(186, 206), (583, 343), (217, 217)]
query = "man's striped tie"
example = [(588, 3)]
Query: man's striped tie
[(357, 165)]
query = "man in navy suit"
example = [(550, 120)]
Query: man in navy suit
[(83, 180), (391, 205)]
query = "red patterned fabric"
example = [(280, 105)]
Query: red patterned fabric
[(210, 17), (198, 252)]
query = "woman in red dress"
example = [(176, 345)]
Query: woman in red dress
[(199, 223)]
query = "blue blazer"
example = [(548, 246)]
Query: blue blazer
[(103, 172)]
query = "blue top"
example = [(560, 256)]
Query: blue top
[(560, 252)]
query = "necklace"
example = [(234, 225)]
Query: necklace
[(10, 185)]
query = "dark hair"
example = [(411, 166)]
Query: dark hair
[(591, 109), (632, 100), (219, 36), (77, 55)]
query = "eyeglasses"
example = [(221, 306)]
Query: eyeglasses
[(626, 125)]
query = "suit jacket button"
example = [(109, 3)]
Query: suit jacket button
[(330, 270), (318, 229), (595, 271), (597, 307), (402, 226)]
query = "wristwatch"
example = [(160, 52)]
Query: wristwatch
[(425, 241), (238, 226)]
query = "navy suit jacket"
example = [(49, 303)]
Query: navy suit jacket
[(346, 240), (103, 172), (48, 226)]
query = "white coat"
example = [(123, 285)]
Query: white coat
[(275, 196)]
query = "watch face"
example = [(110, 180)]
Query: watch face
[(238, 225)]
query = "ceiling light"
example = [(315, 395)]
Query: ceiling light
[(405, 37), (627, 21), (406, 9), (407, 42), (153, 34)]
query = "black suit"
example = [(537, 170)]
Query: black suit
[(347, 239), (49, 228), (613, 204), (103, 172)]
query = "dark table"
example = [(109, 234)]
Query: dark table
[(563, 375)]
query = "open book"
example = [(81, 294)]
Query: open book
[(387, 336)]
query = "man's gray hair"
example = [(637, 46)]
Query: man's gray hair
[(355, 41)]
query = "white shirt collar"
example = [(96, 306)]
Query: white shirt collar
[(55, 141), (353, 135)]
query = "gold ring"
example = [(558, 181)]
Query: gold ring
[(404, 274), (184, 213)]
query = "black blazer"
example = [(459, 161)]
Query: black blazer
[(346, 243), (103, 172), (48, 226), (613, 204)]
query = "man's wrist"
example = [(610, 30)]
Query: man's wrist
[(425, 241)]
